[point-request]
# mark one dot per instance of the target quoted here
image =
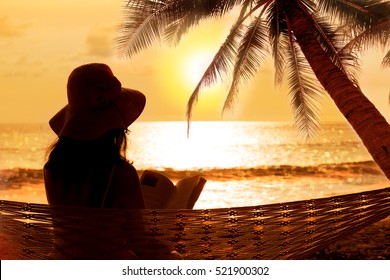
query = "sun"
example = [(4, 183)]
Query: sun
[(195, 67)]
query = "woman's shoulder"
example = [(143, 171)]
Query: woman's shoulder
[(125, 168), (125, 165)]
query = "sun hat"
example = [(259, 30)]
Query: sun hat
[(97, 103)]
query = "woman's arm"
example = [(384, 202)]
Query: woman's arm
[(125, 190)]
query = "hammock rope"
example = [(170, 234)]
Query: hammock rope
[(292, 230)]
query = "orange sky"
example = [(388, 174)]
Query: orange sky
[(42, 41)]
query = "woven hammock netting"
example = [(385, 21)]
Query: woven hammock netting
[(292, 230)]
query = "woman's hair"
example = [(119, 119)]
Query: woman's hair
[(69, 154), (75, 162)]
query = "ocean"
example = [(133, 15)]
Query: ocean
[(245, 163)]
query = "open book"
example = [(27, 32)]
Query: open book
[(161, 193)]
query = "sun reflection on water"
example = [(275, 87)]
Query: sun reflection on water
[(210, 145)]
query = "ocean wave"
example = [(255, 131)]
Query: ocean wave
[(323, 170), (19, 176)]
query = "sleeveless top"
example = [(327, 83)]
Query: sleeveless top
[(88, 190)]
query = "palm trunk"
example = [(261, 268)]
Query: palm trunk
[(366, 120)]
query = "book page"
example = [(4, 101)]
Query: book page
[(156, 189), (196, 193), (187, 193)]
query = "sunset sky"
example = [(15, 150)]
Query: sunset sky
[(42, 41)]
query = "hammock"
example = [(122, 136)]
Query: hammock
[(292, 230)]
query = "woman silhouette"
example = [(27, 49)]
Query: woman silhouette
[(87, 166)]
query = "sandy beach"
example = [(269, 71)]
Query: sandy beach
[(370, 243)]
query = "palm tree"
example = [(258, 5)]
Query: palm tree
[(362, 39), (306, 38)]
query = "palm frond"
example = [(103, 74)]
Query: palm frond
[(386, 60), (140, 28), (377, 36), (357, 12), (361, 40), (304, 91), (222, 62), (332, 40), (279, 56), (191, 15), (379, 9), (365, 23), (375, 33), (174, 32), (149, 21), (278, 40), (251, 54)]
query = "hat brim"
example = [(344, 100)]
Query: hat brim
[(93, 123)]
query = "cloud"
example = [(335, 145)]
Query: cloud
[(11, 30), (23, 67), (99, 41)]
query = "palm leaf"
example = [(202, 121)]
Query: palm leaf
[(331, 41), (356, 12), (251, 54), (376, 34), (279, 41), (174, 32), (386, 60), (191, 14), (219, 67), (140, 28), (147, 22), (304, 91), (222, 62)]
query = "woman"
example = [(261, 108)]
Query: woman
[(87, 166)]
